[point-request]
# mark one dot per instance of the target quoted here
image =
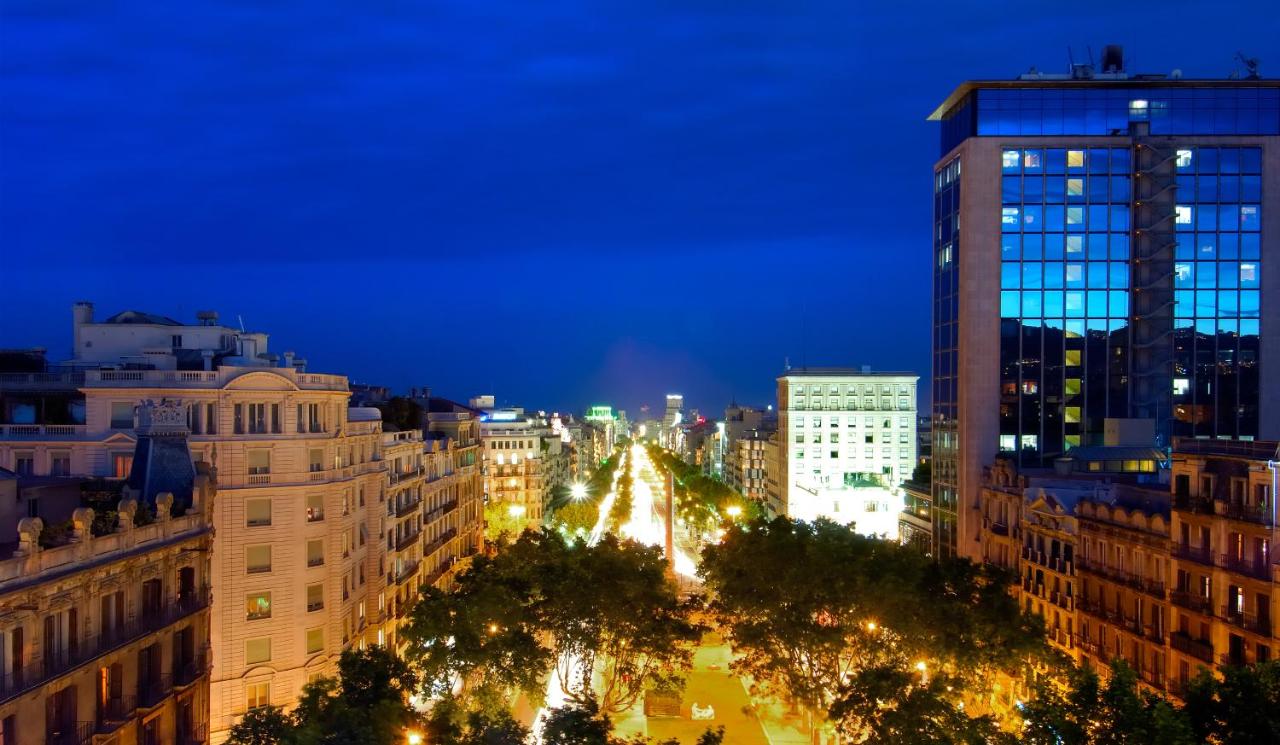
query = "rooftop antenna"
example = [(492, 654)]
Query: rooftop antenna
[(241, 319), (1250, 66)]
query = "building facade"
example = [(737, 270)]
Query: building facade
[(104, 619), (847, 440), (1100, 244)]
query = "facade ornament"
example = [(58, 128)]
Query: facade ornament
[(82, 524), (29, 529), (166, 417), (124, 515), (164, 505)]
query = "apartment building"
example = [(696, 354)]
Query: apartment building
[(105, 610), (514, 445), (300, 483), (848, 439)]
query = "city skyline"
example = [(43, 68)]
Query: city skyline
[(580, 256)]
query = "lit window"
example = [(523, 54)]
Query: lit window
[(1031, 159), (1075, 187), (257, 651), (1181, 386), (1139, 108), (257, 605), (1009, 216), (121, 415), (1075, 159), (258, 695), (1009, 158), (1075, 215), (1073, 357), (1071, 414), (1183, 214), (315, 597), (1184, 159), (315, 507), (1007, 442), (1030, 442)]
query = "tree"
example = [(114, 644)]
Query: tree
[(1243, 707), (807, 606), (403, 413), (606, 611), (888, 704), (1089, 713), (367, 704), (583, 723), (450, 724), (268, 725)]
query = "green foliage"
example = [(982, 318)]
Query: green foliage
[(607, 609), (583, 723), (266, 726), (923, 473), (886, 704), (578, 517), (702, 500), (367, 705), (797, 601), (1088, 713), (450, 724), (1243, 707)]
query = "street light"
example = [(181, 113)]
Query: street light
[(516, 510), (733, 510), (924, 672), (871, 626), (578, 491), (414, 738)]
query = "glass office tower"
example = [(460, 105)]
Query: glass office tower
[(1114, 255)]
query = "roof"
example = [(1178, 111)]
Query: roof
[(363, 414), (800, 372), (1065, 81), (138, 317), (1116, 452)]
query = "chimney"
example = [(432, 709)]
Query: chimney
[(207, 317), (288, 359)]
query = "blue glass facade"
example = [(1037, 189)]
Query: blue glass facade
[(1217, 281), (946, 312), (1108, 110), (1064, 297)]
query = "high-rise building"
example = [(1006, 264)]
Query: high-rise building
[(848, 439), (1104, 247), (671, 420)]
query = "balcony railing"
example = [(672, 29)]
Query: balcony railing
[(439, 542), (1201, 649), (41, 431), (1250, 566), (1138, 582), (41, 670), (1191, 601), (408, 571), (1248, 621), (79, 733), (154, 691), (1249, 513), (197, 734), (407, 539), (1198, 554), (188, 671), (114, 713), (408, 506)]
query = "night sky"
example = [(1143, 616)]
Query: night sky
[(555, 202)]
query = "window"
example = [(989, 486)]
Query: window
[(258, 695), (211, 419), (257, 651), (121, 415), (275, 418), (121, 465), (315, 640), (175, 341), (257, 559), (315, 597), (259, 461), (257, 605), (60, 464), (315, 507), (257, 512), (25, 464), (315, 553), (315, 459)]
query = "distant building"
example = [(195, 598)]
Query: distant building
[(848, 440), (523, 460)]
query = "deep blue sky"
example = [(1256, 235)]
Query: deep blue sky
[(556, 202)]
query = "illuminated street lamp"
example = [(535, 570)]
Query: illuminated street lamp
[(578, 491), (516, 510), (871, 626), (924, 672), (414, 738), (733, 510)]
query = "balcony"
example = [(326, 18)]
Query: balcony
[(39, 671), (439, 542), (1143, 584), (42, 431), (1198, 554), (407, 539), (1198, 505), (153, 692), (197, 734), (408, 507), (114, 714), (78, 733), (186, 672), (1191, 601), (1252, 622), (1250, 566), (1249, 513), (1199, 648), (410, 569), (1153, 678), (440, 511)]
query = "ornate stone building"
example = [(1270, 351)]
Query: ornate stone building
[(104, 619)]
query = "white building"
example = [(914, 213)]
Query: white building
[(847, 440)]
